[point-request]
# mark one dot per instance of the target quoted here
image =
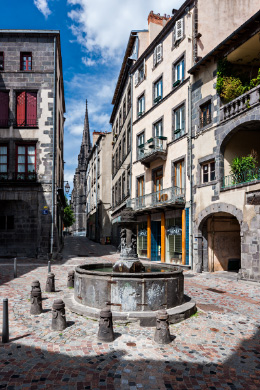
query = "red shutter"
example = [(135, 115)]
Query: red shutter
[(4, 108), (31, 109), (20, 109)]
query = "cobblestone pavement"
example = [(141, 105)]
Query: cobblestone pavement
[(217, 348)]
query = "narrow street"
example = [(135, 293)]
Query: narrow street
[(217, 348)]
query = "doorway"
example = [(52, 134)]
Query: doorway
[(155, 240)]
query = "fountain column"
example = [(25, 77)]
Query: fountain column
[(128, 261)]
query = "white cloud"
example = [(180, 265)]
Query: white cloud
[(103, 27), (43, 7), (88, 61)]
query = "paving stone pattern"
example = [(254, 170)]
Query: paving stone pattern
[(218, 348)]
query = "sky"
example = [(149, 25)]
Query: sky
[(94, 34)]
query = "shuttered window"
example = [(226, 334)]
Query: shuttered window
[(26, 109), (4, 108)]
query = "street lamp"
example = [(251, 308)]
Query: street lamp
[(67, 187)]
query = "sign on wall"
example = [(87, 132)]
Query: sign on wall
[(174, 231)]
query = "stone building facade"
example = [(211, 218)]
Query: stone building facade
[(98, 188), (78, 195), (31, 143), (226, 205)]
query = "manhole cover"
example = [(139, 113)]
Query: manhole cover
[(216, 291), (131, 344)]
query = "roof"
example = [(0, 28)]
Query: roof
[(44, 32), (234, 39)]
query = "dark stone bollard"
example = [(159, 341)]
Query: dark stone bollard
[(105, 331), (36, 301), (162, 333), (35, 286), (50, 284), (70, 282), (58, 315)]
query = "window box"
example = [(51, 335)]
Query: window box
[(174, 85), (156, 100), (150, 140), (141, 146), (140, 113), (177, 131), (161, 137)]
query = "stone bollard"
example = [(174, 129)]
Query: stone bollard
[(50, 284), (58, 315), (162, 333), (70, 282), (105, 331), (36, 301), (35, 285)]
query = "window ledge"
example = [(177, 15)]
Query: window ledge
[(209, 183), (157, 64), (177, 139)]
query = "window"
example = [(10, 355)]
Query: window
[(158, 134), (123, 147), (205, 114), (6, 222), (128, 182), (140, 192), (157, 184), (140, 145), (157, 54), (174, 240), (123, 186), (157, 88), (119, 190), (142, 239), (26, 61), (113, 168), (25, 162), (2, 60), (179, 177), (140, 74), (120, 120), (113, 197), (128, 138), (26, 109), (140, 106), (208, 172), (3, 161), (178, 31), (178, 70), (124, 110), (179, 122), (120, 154), (128, 99), (4, 108)]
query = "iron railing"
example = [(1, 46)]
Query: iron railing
[(155, 144), (18, 176), (249, 176), (163, 197)]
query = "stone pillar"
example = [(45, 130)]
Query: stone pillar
[(105, 331), (58, 315), (128, 256), (162, 333), (70, 282), (50, 283)]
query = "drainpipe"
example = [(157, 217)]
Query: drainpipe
[(96, 225), (191, 183), (53, 149), (131, 138)]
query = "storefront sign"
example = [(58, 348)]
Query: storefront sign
[(142, 233), (174, 231)]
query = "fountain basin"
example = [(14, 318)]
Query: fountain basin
[(159, 286)]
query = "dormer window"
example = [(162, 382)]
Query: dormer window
[(157, 55)]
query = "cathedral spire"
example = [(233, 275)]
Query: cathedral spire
[(86, 134)]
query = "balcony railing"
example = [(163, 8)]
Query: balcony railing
[(240, 104), (18, 177), (160, 198), (26, 123), (153, 145), (245, 177)]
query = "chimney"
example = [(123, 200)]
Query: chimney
[(157, 19)]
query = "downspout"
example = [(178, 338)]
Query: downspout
[(53, 150), (131, 138), (191, 182), (96, 224)]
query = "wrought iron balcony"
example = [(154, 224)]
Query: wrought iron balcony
[(154, 148), (243, 178), (18, 177), (26, 123), (162, 198), (240, 104)]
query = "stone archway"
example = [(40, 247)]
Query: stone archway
[(218, 235)]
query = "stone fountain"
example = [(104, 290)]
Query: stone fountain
[(133, 290)]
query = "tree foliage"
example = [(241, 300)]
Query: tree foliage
[(68, 217)]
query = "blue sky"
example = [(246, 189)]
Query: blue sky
[(94, 34)]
